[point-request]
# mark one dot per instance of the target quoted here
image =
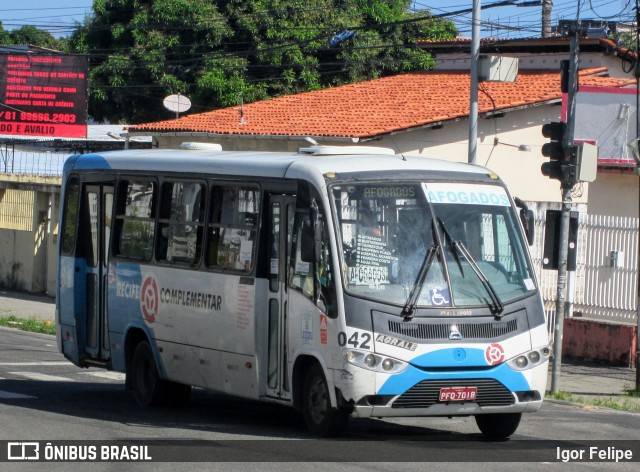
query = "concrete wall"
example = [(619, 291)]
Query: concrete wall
[(28, 233), (596, 341), (16, 260)]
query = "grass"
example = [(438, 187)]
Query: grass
[(32, 325), (624, 403)]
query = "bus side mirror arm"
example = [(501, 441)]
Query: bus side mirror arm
[(527, 218)]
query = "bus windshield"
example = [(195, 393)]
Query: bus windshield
[(431, 244)]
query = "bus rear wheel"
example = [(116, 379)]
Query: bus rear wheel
[(498, 425), (148, 388), (320, 417)]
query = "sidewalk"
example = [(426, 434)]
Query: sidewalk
[(597, 383), (24, 305), (583, 381)]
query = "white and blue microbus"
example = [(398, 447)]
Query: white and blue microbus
[(339, 281)]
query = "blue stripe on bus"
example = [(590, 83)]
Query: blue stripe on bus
[(399, 383), (451, 357)]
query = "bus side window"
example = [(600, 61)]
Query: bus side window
[(181, 222), (233, 228), (312, 271), (325, 273), (135, 218), (302, 267), (70, 222)]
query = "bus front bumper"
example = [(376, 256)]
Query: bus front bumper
[(443, 409)]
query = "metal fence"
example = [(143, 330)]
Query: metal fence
[(604, 285), (31, 162)]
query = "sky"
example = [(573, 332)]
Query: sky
[(526, 22), (58, 16)]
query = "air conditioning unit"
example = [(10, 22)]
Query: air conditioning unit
[(497, 69)]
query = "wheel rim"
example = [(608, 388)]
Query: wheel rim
[(318, 401)]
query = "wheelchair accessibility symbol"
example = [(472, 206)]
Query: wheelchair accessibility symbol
[(440, 297)]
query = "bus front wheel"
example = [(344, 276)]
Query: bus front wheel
[(320, 417), (498, 425)]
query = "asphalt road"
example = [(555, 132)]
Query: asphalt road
[(44, 398)]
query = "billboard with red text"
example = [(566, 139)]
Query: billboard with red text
[(43, 95)]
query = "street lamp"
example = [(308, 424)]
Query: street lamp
[(520, 147)]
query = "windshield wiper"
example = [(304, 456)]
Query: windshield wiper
[(450, 241), (498, 306), (410, 306), (460, 248)]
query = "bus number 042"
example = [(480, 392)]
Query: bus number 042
[(356, 340)]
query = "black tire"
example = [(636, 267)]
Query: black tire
[(148, 388), (498, 425), (320, 418)]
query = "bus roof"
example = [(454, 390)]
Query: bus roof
[(271, 164)]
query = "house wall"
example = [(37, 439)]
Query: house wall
[(537, 61), (614, 194), (520, 170)]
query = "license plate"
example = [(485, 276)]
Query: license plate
[(458, 394)]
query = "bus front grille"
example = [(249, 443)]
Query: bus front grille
[(426, 393), (443, 331)]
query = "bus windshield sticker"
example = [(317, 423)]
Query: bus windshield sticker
[(246, 249), (303, 267), (466, 194), (372, 276), (440, 296), (528, 283)]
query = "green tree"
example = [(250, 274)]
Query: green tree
[(4, 35), (36, 37), (221, 52)]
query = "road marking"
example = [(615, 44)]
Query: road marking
[(106, 375), (14, 396), (43, 377), (53, 363)]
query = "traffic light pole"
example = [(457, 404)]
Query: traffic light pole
[(567, 184), (562, 283)]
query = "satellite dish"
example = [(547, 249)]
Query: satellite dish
[(177, 103)]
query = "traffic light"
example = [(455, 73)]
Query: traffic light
[(558, 166)]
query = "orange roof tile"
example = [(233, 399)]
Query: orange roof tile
[(375, 107)]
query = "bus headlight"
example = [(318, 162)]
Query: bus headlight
[(370, 360), (374, 362), (387, 364), (530, 359), (521, 362)]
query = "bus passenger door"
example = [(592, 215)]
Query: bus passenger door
[(281, 215), (93, 244)]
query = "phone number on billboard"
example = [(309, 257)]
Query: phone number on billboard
[(54, 117)]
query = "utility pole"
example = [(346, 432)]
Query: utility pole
[(637, 71), (546, 18), (567, 184), (473, 102)]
